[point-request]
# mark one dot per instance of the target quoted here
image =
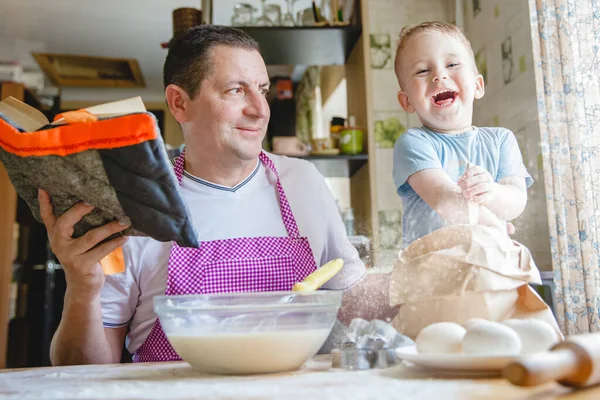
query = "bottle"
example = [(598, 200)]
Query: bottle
[(337, 124), (351, 137), (349, 222)]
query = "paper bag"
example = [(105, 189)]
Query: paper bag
[(463, 272)]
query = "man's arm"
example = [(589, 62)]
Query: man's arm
[(80, 337), (335, 241)]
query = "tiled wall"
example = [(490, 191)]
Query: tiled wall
[(386, 19), (500, 34)]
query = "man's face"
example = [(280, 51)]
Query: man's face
[(439, 81), (230, 113)]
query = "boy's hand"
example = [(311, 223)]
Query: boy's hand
[(477, 185)]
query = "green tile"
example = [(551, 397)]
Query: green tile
[(481, 63), (540, 162), (522, 147), (522, 64), (496, 11), (496, 120)]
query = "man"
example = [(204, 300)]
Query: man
[(264, 221)]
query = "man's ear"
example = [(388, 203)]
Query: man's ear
[(479, 86), (405, 102), (178, 102)]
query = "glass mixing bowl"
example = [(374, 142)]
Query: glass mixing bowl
[(248, 333)]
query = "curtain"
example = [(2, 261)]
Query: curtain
[(566, 47)]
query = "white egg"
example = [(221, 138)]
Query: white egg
[(473, 321), (441, 337), (491, 338), (535, 335)]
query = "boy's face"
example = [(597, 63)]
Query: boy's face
[(438, 81)]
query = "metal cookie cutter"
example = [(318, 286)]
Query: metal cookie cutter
[(370, 345)]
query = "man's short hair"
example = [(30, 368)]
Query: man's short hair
[(431, 26), (189, 58)]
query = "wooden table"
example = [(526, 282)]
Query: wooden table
[(314, 381)]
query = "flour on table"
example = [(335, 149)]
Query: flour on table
[(178, 381)]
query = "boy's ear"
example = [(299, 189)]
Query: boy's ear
[(479, 86), (405, 102)]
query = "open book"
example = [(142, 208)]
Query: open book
[(119, 165), (31, 119)]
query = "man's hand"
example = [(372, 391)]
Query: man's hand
[(477, 185), (79, 257)]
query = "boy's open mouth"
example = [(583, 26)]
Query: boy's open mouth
[(444, 98)]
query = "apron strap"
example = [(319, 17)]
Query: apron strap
[(179, 166), (286, 212)]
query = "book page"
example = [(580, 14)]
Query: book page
[(115, 108), (127, 106), (29, 118)]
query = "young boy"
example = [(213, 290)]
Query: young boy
[(447, 163)]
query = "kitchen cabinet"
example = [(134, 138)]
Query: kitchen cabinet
[(8, 211), (31, 282), (344, 47)]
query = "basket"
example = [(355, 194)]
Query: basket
[(184, 19)]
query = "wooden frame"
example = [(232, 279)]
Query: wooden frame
[(363, 189), (72, 70), (8, 211)]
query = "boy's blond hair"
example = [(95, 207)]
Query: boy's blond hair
[(437, 26)]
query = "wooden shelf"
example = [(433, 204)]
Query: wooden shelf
[(328, 45), (342, 166), (304, 45)]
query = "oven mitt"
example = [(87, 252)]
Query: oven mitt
[(117, 164)]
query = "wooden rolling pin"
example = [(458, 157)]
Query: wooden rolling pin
[(575, 362)]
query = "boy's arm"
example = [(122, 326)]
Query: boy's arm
[(506, 199), (444, 196), (506, 193), (511, 198)]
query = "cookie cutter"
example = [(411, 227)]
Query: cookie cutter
[(370, 345)]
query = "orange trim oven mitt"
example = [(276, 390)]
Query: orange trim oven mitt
[(117, 164)]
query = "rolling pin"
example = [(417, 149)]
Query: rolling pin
[(575, 362)]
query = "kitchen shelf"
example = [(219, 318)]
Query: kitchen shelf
[(304, 45), (341, 166)]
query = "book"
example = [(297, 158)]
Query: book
[(31, 119), (110, 155)]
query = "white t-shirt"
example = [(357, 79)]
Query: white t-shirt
[(250, 209)]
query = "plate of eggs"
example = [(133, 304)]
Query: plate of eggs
[(479, 345)]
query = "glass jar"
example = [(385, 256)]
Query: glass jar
[(242, 14), (273, 12)]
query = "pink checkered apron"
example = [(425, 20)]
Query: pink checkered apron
[(258, 264)]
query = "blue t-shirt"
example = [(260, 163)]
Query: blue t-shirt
[(495, 149)]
